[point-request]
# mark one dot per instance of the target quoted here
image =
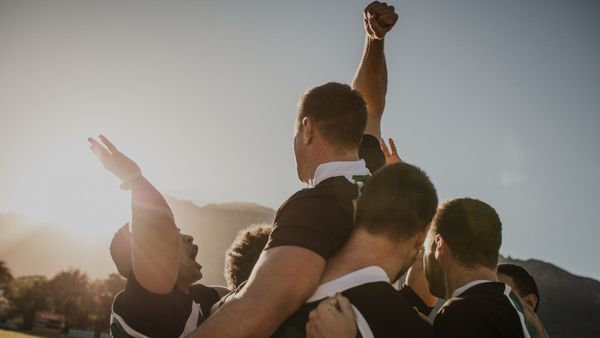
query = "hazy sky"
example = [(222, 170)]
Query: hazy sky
[(498, 100)]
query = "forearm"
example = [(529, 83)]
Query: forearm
[(371, 82), (155, 238), (238, 318)]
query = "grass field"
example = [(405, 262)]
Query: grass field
[(13, 334)]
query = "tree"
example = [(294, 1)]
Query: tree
[(26, 296), (5, 275)]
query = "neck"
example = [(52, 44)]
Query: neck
[(459, 275), (325, 155), (183, 286), (363, 250)]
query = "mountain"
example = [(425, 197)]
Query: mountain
[(569, 304), (32, 248), (214, 227)]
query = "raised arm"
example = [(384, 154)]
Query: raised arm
[(155, 238), (284, 277), (371, 77)]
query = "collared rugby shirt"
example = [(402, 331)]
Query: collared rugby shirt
[(485, 309), (380, 310), (137, 312)]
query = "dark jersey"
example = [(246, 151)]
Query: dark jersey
[(137, 312), (385, 311), (488, 310), (321, 218), (414, 300)]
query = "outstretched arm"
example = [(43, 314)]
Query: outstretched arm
[(371, 77), (155, 238)]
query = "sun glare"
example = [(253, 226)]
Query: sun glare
[(66, 186)]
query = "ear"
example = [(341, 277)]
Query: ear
[(307, 130), (440, 246), (531, 300)]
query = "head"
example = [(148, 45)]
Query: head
[(332, 119), (398, 203), (243, 253), (189, 270), (521, 282), (465, 234)]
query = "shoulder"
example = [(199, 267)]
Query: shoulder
[(332, 192), (454, 318)]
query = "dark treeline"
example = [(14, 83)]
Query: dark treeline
[(84, 302)]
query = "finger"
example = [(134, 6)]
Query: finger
[(393, 146), (381, 10), (376, 28), (108, 144), (344, 305), (388, 20), (372, 5), (98, 149), (384, 148)]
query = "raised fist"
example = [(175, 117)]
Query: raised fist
[(379, 18)]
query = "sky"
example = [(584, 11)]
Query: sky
[(497, 100)]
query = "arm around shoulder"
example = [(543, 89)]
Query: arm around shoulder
[(283, 279)]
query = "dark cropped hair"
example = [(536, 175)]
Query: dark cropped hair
[(244, 252), (399, 200), (472, 229), (338, 111), (524, 281)]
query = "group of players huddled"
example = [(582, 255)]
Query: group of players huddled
[(328, 265)]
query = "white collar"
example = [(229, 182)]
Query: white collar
[(365, 275), (348, 169), (467, 286)]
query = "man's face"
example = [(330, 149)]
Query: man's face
[(189, 270), (529, 299), (433, 267)]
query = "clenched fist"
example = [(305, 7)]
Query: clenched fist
[(379, 18)]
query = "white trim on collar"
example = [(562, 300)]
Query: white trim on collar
[(467, 286), (339, 168), (366, 275)]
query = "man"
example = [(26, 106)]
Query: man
[(521, 282), (461, 255), (392, 217), (314, 223), (159, 299)]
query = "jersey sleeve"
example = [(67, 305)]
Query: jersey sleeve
[(371, 152)]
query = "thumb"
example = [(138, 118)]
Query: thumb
[(344, 305)]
